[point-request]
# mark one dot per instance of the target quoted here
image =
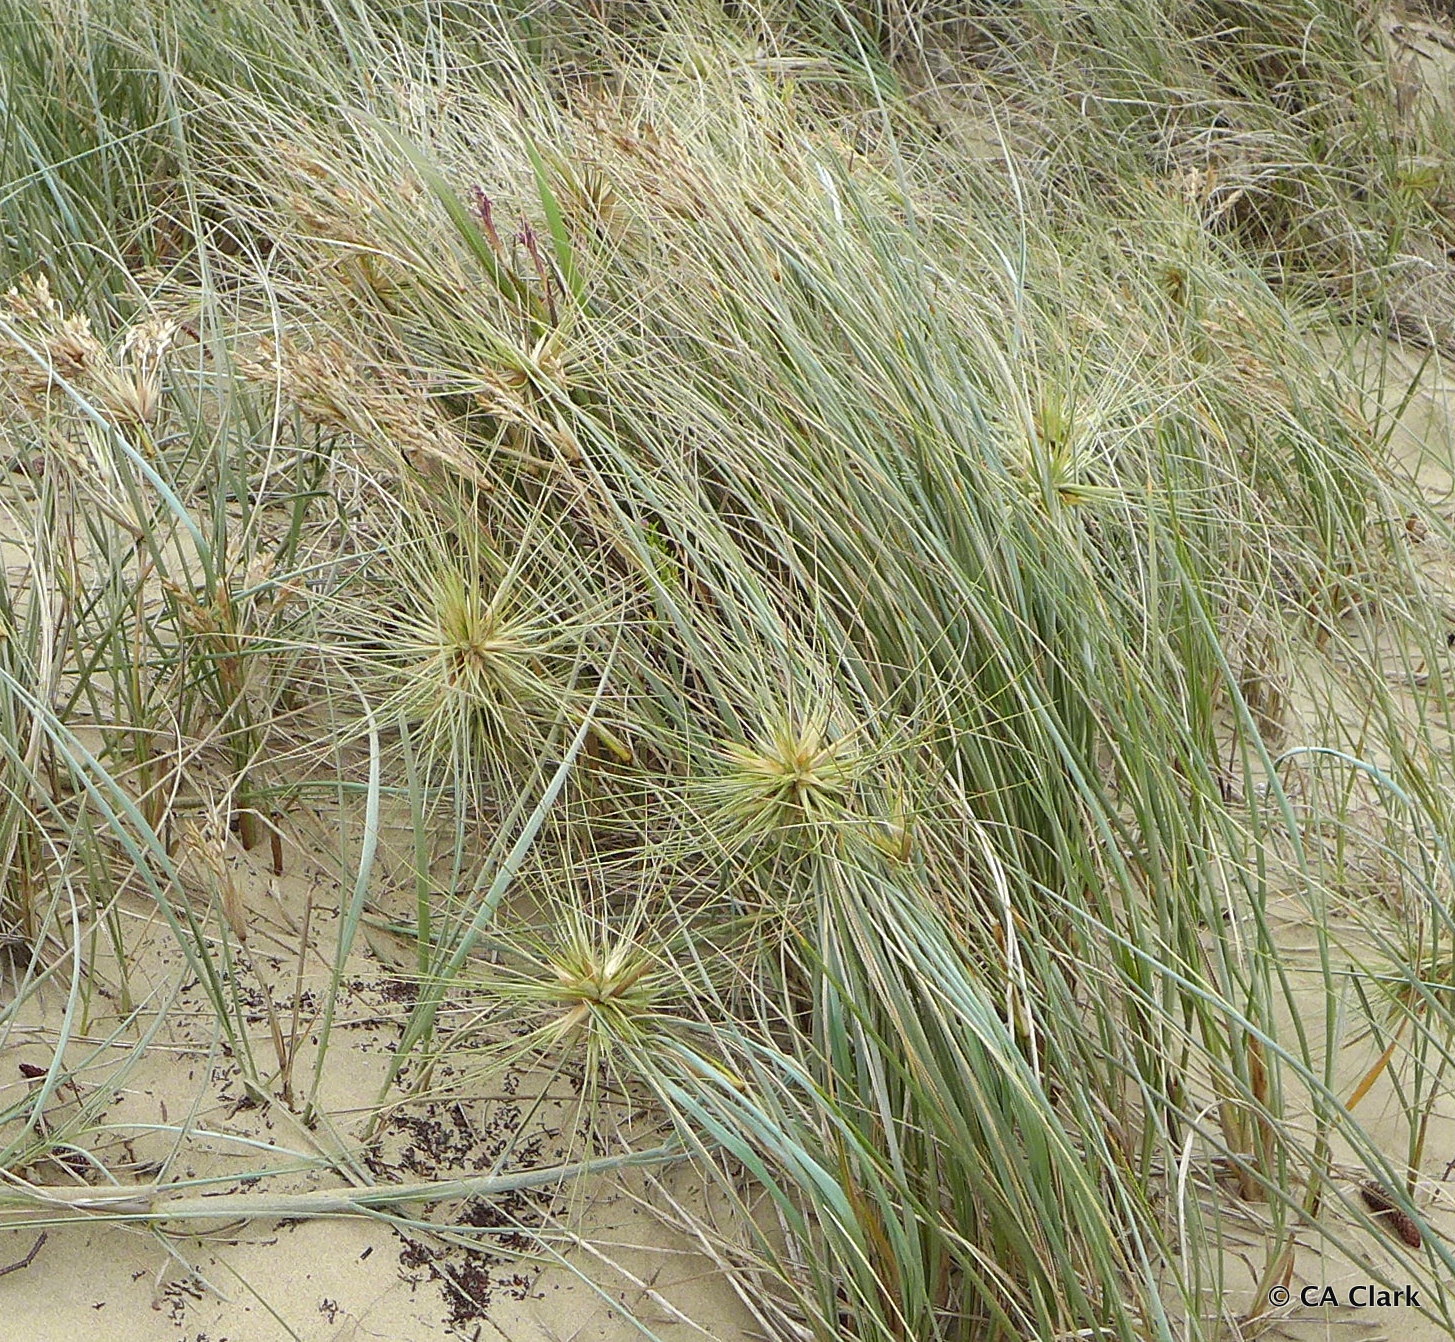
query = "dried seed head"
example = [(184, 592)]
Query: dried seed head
[(206, 843), (128, 386), (375, 405), (43, 342), (133, 390)]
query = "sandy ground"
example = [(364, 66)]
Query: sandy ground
[(1363, 918), (178, 1110)]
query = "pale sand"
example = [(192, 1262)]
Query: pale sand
[(341, 1278)]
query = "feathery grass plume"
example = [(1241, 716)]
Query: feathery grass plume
[(43, 341), (59, 343)]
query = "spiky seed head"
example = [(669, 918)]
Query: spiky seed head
[(793, 777)]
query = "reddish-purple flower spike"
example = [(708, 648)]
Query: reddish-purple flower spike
[(527, 236), (484, 211)]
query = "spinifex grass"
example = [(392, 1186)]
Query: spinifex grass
[(930, 579)]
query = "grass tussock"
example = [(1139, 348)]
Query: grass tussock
[(853, 542)]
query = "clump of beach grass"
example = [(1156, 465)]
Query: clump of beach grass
[(872, 482)]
